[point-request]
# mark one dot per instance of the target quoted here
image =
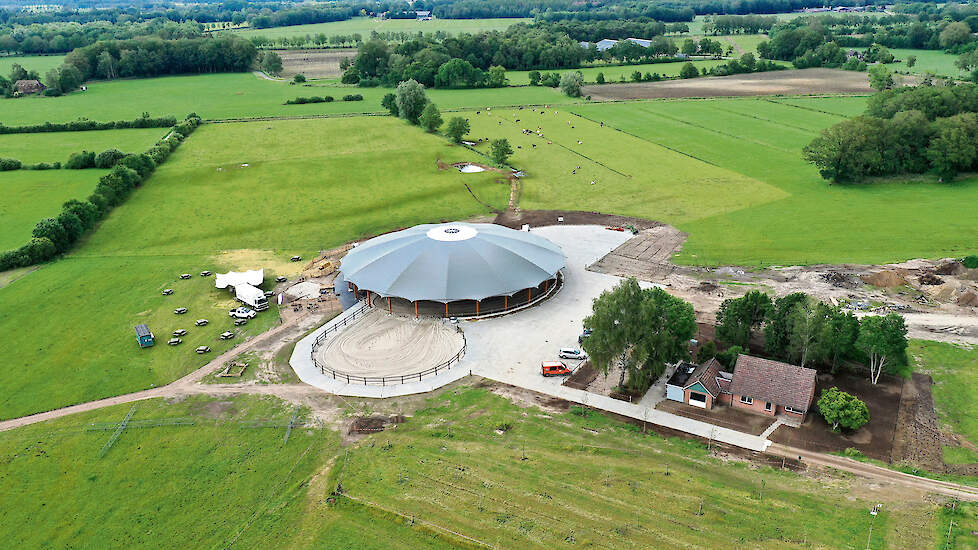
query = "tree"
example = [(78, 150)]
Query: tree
[(600, 78), (806, 321), (953, 148), (500, 150), (954, 34), (688, 71), (457, 128), (570, 83), (884, 340), (639, 330), (534, 77), (778, 325), (688, 47), (969, 62), (299, 78), (270, 62), (842, 409), (430, 118), (706, 351), (18, 72), (737, 318), (411, 100), (390, 103), (50, 228), (838, 337), (880, 78), (911, 61), (636, 76), (108, 158), (497, 77)]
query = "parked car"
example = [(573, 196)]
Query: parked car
[(203, 349), (239, 322), (167, 291), (242, 313), (179, 332), (174, 341), (184, 275), (201, 322), (571, 353), (554, 368), (180, 310), (585, 334), (227, 335)]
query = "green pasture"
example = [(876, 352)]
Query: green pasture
[(471, 462), (29, 195), (236, 95), (365, 25), (39, 63), (928, 61), (58, 146), (205, 485), (617, 73), (954, 369), (468, 464), (812, 221), (309, 185), (631, 176)]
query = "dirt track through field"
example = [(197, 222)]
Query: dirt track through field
[(789, 82)]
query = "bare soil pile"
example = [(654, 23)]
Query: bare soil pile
[(884, 279)]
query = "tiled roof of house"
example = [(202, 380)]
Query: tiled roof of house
[(706, 374), (774, 381)]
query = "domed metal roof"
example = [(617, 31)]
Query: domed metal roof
[(453, 261)]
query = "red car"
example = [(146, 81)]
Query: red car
[(554, 368)]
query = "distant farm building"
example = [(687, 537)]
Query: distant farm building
[(605, 44), (757, 385), (423, 15), (25, 87)]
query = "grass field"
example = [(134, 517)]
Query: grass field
[(955, 373), (813, 222), (587, 481), (312, 184), (39, 63), (29, 195), (470, 462), (237, 95), (196, 486), (365, 25), (58, 146), (647, 181), (615, 73), (928, 61)]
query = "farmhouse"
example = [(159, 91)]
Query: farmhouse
[(454, 269), (25, 87), (757, 385)]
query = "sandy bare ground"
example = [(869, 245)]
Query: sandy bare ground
[(314, 63), (790, 82), (932, 312), (389, 345)]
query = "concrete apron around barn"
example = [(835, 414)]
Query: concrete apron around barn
[(509, 349)]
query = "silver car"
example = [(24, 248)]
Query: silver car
[(571, 353)]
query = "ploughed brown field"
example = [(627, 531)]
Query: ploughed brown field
[(791, 82), (314, 63)]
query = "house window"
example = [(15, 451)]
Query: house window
[(746, 400), (768, 406), (794, 410)]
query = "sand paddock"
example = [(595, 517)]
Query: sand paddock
[(390, 345)]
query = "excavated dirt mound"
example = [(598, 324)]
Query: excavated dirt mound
[(884, 279), (969, 298), (950, 268), (930, 279), (918, 440)]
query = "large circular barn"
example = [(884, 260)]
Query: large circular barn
[(454, 269)]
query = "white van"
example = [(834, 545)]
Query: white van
[(571, 353)]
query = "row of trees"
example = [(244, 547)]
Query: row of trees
[(53, 236), (907, 130), (61, 37), (84, 125), (154, 57), (804, 331), (740, 24)]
